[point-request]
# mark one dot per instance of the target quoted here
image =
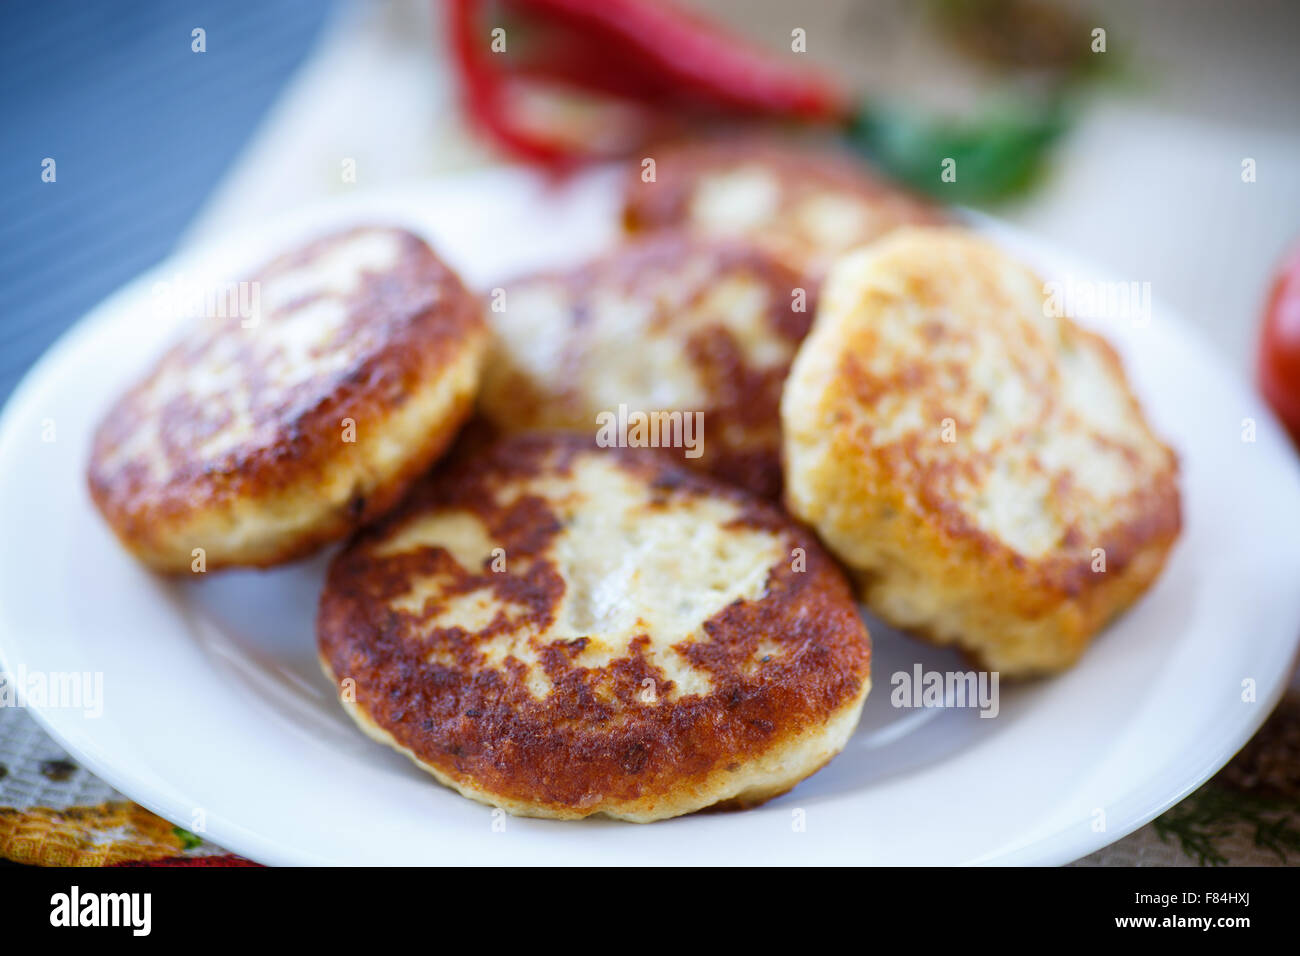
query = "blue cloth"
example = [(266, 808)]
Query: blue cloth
[(141, 129)]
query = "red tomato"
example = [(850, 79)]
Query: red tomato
[(1279, 346)]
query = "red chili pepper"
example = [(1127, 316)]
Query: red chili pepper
[(483, 87), (702, 59), (633, 50), (570, 58)]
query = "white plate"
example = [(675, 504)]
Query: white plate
[(215, 715)]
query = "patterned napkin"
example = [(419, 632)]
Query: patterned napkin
[(54, 813)]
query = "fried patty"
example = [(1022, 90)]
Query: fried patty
[(671, 324), (259, 437), (804, 204), (563, 630), (977, 461)]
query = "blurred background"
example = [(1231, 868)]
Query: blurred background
[(170, 121), (156, 144)]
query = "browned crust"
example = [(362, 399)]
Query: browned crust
[(571, 752), (1041, 583), (801, 167), (423, 318), (1070, 623), (742, 441)]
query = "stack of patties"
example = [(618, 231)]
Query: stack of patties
[(549, 626), (560, 622), (702, 310)]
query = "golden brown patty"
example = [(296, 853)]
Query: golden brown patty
[(258, 438), (976, 460), (672, 324), (803, 204), (562, 630)]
